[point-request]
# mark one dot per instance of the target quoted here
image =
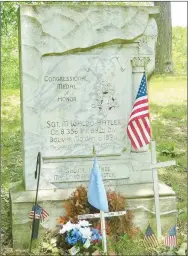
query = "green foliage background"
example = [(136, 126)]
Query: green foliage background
[(179, 49), (10, 54)]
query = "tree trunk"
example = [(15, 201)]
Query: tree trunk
[(163, 60)]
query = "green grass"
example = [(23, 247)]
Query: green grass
[(11, 137), (168, 115), (12, 160)]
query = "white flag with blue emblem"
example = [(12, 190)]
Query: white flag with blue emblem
[(96, 191)]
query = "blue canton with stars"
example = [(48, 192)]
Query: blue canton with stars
[(172, 231), (38, 209), (142, 89), (149, 231)]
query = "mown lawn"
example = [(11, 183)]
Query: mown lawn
[(168, 114)]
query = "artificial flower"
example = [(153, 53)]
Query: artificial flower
[(62, 231), (76, 233), (74, 236), (95, 235), (84, 240), (86, 232), (80, 232), (84, 223), (67, 227), (71, 240), (77, 226)]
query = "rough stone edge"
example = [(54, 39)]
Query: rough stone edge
[(20, 196)]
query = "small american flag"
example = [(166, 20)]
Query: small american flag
[(138, 128), (40, 213), (149, 239), (44, 214), (35, 211), (170, 240)]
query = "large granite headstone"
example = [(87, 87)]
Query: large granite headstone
[(80, 71), (80, 75)]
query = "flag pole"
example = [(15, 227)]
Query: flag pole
[(155, 179), (148, 94), (156, 189), (38, 167), (103, 227)]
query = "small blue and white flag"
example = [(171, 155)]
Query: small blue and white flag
[(96, 190)]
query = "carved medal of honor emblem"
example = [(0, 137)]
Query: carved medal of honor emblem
[(105, 98)]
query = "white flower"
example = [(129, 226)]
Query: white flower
[(67, 227), (62, 231), (84, 223), (86, 233), (77, 226)]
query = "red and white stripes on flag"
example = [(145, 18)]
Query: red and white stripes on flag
[(149, 239), (31, 215), (40, 213), (170, 241), (138, 128), (44, 214)]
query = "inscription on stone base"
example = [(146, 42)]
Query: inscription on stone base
[(75, 171)]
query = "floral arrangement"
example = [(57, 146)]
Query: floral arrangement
[(79, 235), (78, 204)]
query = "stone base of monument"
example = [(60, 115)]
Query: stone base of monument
[(52, 201)]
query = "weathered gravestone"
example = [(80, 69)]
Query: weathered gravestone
[(80, 71)]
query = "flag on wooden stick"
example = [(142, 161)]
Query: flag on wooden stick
[(149, 239), (96, 190), (138, 128), (170, 239), (97, 197)]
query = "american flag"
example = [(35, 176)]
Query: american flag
[(44, 214), (138, 128), (170, 240), (149, 239), (39, 213)]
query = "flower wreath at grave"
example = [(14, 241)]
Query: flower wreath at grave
[(86, 235)]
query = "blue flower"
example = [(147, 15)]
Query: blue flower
[(73, 236), (71, 240), (84, 240), (76, 233), (95, 234)]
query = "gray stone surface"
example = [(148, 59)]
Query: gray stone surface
[(52, 201), (80, 71)]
